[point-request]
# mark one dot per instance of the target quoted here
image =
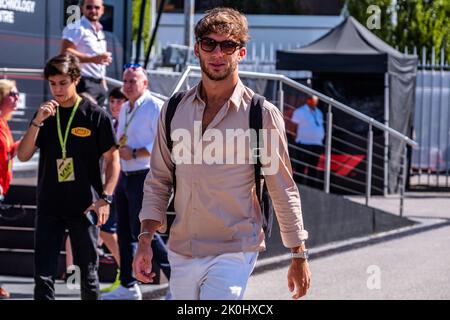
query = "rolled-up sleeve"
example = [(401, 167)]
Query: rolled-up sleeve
[(158, 184), (72, 33), (280, 183)]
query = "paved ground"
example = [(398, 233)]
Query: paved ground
[(413, 267), (22, 289), (412, 263), (416, 204)]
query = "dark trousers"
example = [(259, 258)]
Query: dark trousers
[(49, 236), (94, 88), (128, 200), (307, 168)]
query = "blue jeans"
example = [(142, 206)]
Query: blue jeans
[(128, 198), (49, 235)]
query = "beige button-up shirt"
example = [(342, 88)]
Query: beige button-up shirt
[(217, 210)]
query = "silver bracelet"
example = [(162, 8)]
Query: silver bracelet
[(143, 234)]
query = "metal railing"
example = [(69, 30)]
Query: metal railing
[(330, 128), (280, 101), (11, 72)]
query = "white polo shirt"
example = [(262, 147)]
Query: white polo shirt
[(141, 130), (88, 41), (310, 128)]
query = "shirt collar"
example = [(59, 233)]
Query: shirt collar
[(238, 93), (146, 95), (236, 96), (87, 24)]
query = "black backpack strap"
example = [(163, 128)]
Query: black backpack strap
[(170, 112), (171, 108), (256, 123)]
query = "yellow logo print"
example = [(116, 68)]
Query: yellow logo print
[(81, 132)]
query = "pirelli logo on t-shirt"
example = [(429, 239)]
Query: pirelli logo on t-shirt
[(81, 132)]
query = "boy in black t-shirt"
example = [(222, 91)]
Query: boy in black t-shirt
[(72, 135)]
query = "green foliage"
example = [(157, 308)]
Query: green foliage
[(359, 10), (420, 23), (137, 4)]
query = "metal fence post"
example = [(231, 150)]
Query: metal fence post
[(281, 97), (369, 164), (403, 180), (386, 134), (328, 149)]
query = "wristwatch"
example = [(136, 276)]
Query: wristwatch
[(134, 154), (108, 198), (300, 255)]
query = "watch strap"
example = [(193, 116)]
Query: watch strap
[(300, 255), (108, 198)]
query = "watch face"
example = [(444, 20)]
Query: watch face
[(107, 198)]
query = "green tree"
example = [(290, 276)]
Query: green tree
[(137, 4), (419, 23), (359, 10), (423, 23)]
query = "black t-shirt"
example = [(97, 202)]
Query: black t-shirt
[(91, 134)]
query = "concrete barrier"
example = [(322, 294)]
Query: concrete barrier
[(330, 217)]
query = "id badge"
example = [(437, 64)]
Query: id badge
[(123, 140), (66, 170)]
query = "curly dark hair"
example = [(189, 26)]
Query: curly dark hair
[(226, 21), (63, 64)]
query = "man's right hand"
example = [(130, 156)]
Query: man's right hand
[(46, 110), (103, 58), (142, 264)]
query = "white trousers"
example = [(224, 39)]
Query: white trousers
[(222, 277)]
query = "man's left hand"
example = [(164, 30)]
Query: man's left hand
[(126, 153), (299, 277)]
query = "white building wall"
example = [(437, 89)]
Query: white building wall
[(271, 30)]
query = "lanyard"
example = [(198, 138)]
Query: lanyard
[(58, 122), (315, 114), (127, 122)]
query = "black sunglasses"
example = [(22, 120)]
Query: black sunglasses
[(90, 7), (132, 66), (227, 46), (14, 94)]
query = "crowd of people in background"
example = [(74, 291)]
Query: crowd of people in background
[(105, 178)]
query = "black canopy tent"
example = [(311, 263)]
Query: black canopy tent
[(350, 48)]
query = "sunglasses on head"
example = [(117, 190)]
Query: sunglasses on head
[(90, 7), (132, 66), (227, 46)]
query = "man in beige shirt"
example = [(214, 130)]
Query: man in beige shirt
[(217, 233)]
